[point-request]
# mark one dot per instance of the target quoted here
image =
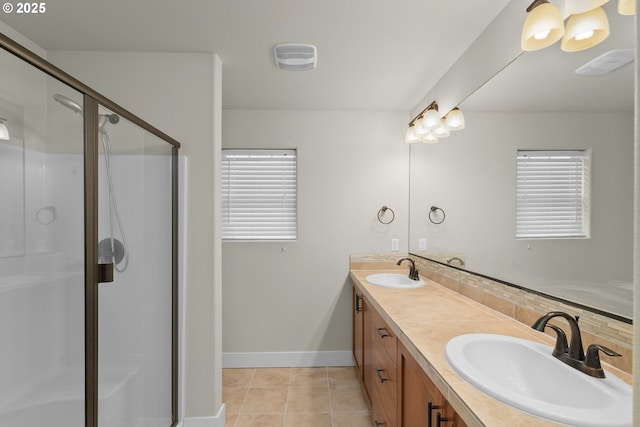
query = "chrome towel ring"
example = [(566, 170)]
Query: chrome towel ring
[(382, 211), (433, 214)]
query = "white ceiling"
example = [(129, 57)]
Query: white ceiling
[(372, 54)]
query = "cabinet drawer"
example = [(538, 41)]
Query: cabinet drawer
[(385, 384), (383, 336)]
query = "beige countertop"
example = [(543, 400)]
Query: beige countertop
[(426, 318)]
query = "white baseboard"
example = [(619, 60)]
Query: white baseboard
[(292, 359), (217, 421)]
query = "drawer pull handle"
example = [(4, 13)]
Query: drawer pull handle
[(431, 407), (380, 423), (380, 377), (440, 419), (382, 334), (358, 306)]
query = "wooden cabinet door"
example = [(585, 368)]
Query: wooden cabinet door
[(416, 391)]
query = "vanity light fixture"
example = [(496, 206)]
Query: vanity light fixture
[(585, 30), (4, 132), (543, 27), (431, 117), (441, 131), (455, 119), (429, 126), (410, 137), (587, 24)]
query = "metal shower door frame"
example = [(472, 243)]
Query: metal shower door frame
[(92, 100)]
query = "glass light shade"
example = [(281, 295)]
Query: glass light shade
[(585, 30), (627, 7), (572, 7), (543, 27), (418, 129), (441, 131), (429, 138), (454, 119), (410, 137), (431, 119), (4, 132)]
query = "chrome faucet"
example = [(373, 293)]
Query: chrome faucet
[(573, 354), (413, 272)]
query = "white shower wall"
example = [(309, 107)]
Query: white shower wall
[(42, 294)]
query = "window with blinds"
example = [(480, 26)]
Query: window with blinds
[(552, 194), (259, 195)]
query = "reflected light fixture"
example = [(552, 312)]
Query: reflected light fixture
[(627, 7), (429, 138), (454, 119), (4, 132), (428, 127), (410, 137), (543, 27), (441, 130), (585, 30), (431, 117)]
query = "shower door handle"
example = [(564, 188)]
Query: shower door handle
[(105, 273)]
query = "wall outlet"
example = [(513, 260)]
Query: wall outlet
[(422, 244), (394, 245)]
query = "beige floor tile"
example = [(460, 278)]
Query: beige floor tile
[(307, 420), (309, 377), (230, 420), (272, 400), (260, 420), (351, 419), (237, 377), (233, 397), (308, 399), (343, 377), (347, 399), (271, 377)]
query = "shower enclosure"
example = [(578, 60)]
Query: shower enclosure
[(88, 255)]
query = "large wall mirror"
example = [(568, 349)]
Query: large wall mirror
[(537, 102)]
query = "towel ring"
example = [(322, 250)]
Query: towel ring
[(382, 211), (435, 209)]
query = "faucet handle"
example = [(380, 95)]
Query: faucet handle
[(592, 360), (562, 347)]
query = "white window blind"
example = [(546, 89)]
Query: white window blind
[(259, 194), (552, 194)]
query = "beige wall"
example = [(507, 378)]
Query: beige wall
[(296, 296), (177, 94)]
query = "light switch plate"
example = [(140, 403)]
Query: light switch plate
[(394, 245)]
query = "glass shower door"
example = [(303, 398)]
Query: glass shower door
[(135, 309)]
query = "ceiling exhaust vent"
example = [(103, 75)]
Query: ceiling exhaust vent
[(607, 62), (296, 56)]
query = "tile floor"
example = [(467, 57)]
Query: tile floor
[(294, 397)]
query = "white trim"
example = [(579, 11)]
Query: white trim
[(217, 421), (292, 359)]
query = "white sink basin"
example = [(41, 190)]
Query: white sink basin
[(394, 280), (525, 375)]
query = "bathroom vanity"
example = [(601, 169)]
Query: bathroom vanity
[(399, 340)]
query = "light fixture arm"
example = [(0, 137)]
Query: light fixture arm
[(535, 4), (432, 106)]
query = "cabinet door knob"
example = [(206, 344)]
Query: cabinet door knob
[(380, 377)]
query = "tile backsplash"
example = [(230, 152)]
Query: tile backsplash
[(519, 304)]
